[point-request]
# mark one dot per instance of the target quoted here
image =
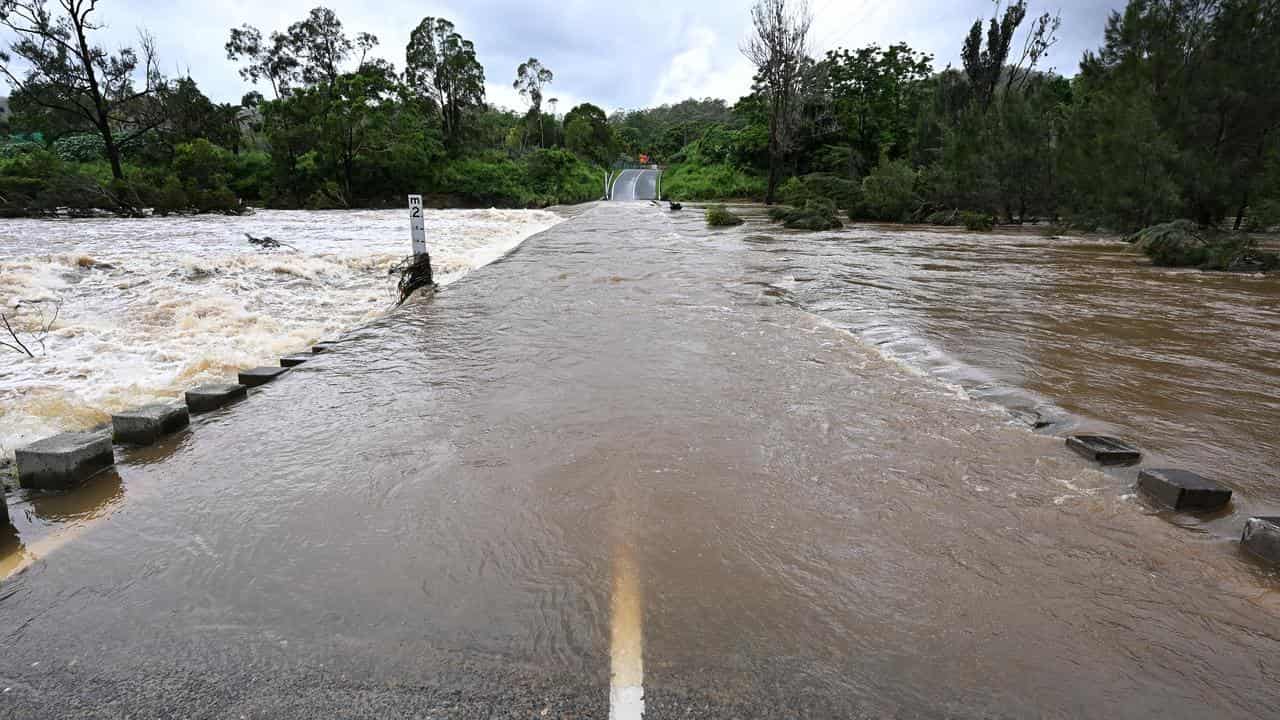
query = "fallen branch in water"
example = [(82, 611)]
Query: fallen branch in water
[(45, 327), (267, 243), (415, 274)]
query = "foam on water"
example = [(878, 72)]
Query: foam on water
[(151, 307)]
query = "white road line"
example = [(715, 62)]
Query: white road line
[(626, 644)]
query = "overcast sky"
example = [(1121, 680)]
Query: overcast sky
[(617, 55)]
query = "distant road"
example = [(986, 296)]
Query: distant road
[(632, 185)]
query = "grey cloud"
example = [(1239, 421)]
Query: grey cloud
[(613, 55)]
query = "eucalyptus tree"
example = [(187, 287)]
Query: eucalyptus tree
[(441, 65), (54, 64), (531, 78)]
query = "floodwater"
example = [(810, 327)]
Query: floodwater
[(632, 469), (1075, 334), (140, 310)]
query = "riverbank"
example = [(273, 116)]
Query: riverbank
[(630, 411)]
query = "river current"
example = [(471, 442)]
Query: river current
[(147, 308), (1068, 333)]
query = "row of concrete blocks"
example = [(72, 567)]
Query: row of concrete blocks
[(69, 458), (1182, 491)]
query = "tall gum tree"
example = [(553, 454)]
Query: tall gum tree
[(54, 64)]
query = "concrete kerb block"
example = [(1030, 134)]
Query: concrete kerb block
[(212, 397), (63, 460), (147, 424), (289, 361), (1104, 450), (1183, 490), (260, 375), (1262, 538)]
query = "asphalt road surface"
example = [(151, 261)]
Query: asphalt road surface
[(632, 185), (619, 473)]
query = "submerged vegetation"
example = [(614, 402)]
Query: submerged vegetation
[(815, 215), (719, 216), (1183, 243)]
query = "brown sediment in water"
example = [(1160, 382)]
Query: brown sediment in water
[(794, 523)]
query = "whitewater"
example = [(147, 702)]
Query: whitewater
[(122, 312)]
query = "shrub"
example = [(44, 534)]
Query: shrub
[(843, 192), (201, 165), (488, 180), (218, 200), (943, 217), (558, 176), (718, 216), (170, 198), (81, 147), (888, 192), (814, 215), (251, 175), (1182, 243), (977, 222), (13, 149), (711, 182)]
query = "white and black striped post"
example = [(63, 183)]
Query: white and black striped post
[(417, 226)]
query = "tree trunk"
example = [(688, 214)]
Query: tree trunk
[(1244, 205), (78, 20), (113, 151)]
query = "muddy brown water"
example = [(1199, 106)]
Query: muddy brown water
[(438, 511)]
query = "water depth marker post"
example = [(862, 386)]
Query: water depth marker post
[(417, 226)]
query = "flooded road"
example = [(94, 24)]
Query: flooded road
[(623, 457)]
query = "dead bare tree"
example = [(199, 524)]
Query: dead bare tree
[(779, 49)]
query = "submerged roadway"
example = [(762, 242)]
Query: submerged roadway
[(617, 474)]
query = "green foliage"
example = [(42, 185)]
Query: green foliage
[(662, 132), (441, 68), (719, 216), (711, 182), (201, 164), (14, 148), (815, 215), (1183, 243), (559, 177), (845, 194), (81, 147), (977, 222), (170, 198), (587, 133), (876, 95), (888, 193)]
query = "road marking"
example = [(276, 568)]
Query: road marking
[(626, 644)]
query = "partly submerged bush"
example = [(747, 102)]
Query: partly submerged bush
[(718, 216), (977, 221), (1182, 243), (814, 215)]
